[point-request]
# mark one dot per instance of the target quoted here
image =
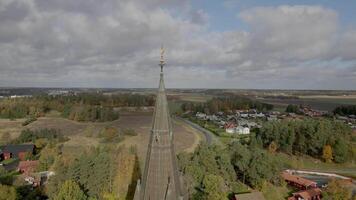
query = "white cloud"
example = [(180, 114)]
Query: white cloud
[(115, 44)]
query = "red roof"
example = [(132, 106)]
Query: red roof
[(229, 125), (296, 179), (308, 194), (28, 166)]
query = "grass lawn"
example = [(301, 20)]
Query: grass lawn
[(309, 163), (272, 192), (8, 161)]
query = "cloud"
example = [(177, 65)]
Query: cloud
[(291, 32), (116, 44)]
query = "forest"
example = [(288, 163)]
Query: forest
[(226, 104), (215, 172), (81, 107), (309, 137)]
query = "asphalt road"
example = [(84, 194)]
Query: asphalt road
[(209, 136)]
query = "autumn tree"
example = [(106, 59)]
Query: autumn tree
[(70, 190), (327, 153), (272, 147)]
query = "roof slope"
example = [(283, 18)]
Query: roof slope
[(17, 148)]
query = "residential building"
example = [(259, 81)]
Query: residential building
[(310, 194), (298, 182), (242, 130), (17, 151)]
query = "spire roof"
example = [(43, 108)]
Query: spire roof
[(160, 177)]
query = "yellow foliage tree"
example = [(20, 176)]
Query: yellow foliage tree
[(128, 172), (327, 153), (272, 147)]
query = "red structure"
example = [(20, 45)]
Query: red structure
[(28, 167), (298, 182), (229, 125), (17, 151), (311, 194)]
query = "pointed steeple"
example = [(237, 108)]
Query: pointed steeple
[(160, 179)]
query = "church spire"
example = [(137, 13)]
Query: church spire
[(162, 62), (160, 180)]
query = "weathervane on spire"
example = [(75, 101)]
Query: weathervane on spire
[(162, 62)]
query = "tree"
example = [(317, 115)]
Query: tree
[(70, 190), (47, 158), (241, 159), (213, 187), (7, 192), (291, 108), (340, 150), (327, 153), (335, 191)]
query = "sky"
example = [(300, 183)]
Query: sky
[(242, 44)]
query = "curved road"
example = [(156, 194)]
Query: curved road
[(209, 136)]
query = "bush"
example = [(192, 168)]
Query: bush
[(129, 132), (52, 135), (29, 121)]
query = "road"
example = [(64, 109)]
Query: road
[(209, 136)]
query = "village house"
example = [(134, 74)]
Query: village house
[(242, 130), (237, 129), (310, 194), (230, 127), (298, 182), (17, 151), (212, 117), (246, 123), (200, 115)]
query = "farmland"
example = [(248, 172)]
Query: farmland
[(85, 134)]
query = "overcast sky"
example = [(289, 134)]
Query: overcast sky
[(275, 44)]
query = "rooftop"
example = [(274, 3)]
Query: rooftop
[(296, 179), (16, 148), (308, 194)]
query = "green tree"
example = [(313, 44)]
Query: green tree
[(7, 192), (213, 187), (241, 159), (47, 158), (340, 150), (291, 108), (70, 190)]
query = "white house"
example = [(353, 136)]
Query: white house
[(238, 130), (200, 115), (230, 130), (242, 130)]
